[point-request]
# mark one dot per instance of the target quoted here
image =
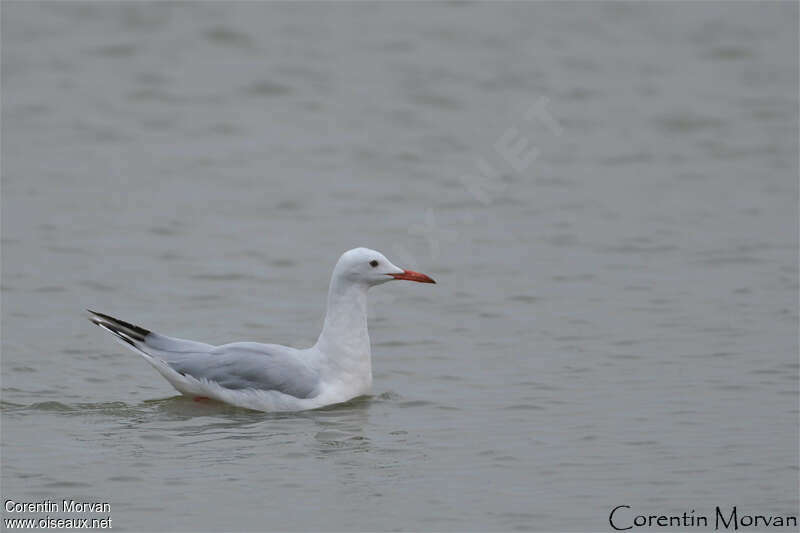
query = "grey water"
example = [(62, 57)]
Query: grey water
[(606, 194)]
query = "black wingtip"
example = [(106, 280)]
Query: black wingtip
[(136, 332)]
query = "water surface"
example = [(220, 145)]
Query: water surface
[(616, 315)]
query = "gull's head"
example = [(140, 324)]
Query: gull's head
[(370, 267)]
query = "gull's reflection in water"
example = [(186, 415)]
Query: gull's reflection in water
[(182, 431), (341, 426), (201, 423)]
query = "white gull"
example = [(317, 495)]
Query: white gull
[(271, 377)]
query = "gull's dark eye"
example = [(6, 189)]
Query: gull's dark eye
[(373, 263)]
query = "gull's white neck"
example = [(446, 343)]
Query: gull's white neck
[(344, 341)]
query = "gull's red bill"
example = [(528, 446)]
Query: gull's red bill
[(410, 275)]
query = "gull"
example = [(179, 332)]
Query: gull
[(272, 377)]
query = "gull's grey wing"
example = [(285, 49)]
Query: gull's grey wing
[(249, 365), (241, 365)]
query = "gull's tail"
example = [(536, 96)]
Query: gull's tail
[(145, 342), (157, 349), (130, 334)]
